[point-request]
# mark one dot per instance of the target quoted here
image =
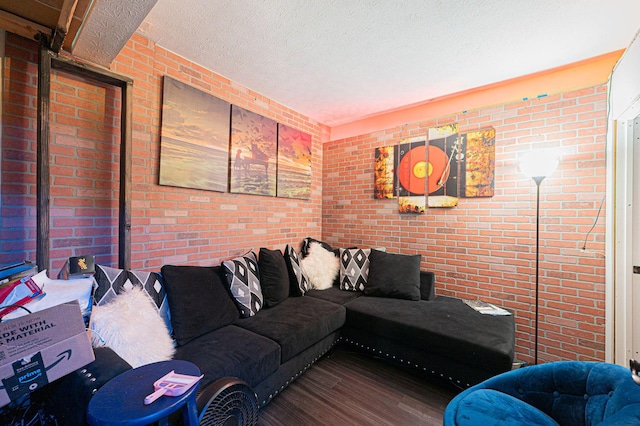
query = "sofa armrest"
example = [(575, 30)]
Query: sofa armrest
[(427, 285), (73, 392)]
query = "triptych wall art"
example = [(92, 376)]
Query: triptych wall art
[(437, 169), (207, 143)]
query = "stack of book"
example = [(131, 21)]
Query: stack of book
[(10, 272)]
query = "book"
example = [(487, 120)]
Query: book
[(10, 272), (486, 308)]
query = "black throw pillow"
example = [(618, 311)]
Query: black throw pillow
[(393, 275), (199, 301), (274, 277)]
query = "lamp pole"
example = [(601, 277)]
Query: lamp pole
[(538, 180)]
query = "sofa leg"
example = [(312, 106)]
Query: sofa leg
[(227, 401)]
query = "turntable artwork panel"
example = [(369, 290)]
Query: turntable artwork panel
[(436, 170)]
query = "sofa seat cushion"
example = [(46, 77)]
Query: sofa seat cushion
[(296, 323), (335, 295), (445, 326), (232, 351)]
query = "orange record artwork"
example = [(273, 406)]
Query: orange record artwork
[(415, 167)]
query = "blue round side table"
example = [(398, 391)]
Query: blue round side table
[(121, 400)]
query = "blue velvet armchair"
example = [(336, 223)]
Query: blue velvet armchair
[(563, 393)]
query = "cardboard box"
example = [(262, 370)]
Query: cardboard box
[(39, 348)]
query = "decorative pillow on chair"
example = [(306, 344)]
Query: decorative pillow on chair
[(199, 300), (393, 275), (297, 276), (111, 282), (274, 277), (354, 269), (243, 278), (131, 326), (321, 266)]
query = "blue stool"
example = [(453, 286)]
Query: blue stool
[(121, 400)]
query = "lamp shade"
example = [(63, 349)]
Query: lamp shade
[(540, 163)]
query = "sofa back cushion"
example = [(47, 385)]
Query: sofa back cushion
[(198, 300), (393, 275), (427, 285), (274, 277)]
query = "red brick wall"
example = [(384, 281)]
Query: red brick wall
[(482, 248), (485, 247), (169, 225)]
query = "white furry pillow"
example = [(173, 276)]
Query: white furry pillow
[(131, 326), (321, 266)]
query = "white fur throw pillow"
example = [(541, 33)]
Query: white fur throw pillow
[(131, 326), (321, 266)]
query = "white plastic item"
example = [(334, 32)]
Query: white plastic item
[(172, 384)]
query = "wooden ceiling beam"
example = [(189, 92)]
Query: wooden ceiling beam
[(64, 22), (23, 27)]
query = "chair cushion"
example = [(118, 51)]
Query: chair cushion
[(231, 351), (490, 407), (296, 323)]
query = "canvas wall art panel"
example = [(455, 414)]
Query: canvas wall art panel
[(384, 172), (294, 163), (443, 156), (254, 146), (477, 174), (194, 139), (411, 172)]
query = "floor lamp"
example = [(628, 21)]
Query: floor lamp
[(537, 165)]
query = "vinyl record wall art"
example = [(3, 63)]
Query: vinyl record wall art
[(437, 170)]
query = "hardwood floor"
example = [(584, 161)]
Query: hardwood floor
[(347, 388)]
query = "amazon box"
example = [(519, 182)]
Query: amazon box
[(41, 347)]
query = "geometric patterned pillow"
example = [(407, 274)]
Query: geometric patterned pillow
[(112, 282), (243, 278), (297, 276), (354, 269)]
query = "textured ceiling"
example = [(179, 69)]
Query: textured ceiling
[(339, 60)]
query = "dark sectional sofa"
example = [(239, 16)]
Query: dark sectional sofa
[(438, 335)]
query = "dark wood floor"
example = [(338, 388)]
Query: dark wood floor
[(348, 388)]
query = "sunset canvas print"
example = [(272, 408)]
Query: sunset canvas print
[(254, 146), (294, 163), (194, 141)]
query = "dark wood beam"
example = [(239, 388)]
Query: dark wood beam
[(48, 60), (22, 27), (126, 85), (126, 125), (43, 186), (64, 22)]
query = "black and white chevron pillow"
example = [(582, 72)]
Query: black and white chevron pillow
[(297, 276), (354, 269), (243, 278)]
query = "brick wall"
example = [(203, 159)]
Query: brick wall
[(482, 248), (169, 225), (485, 247)]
